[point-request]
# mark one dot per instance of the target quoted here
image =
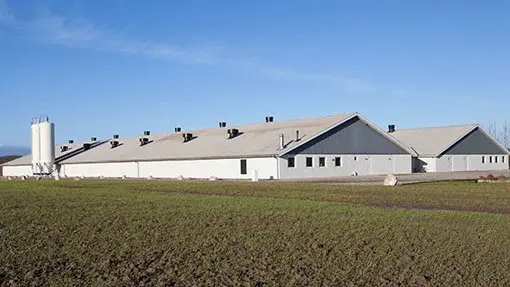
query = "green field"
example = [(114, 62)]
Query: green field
[(151, 233)]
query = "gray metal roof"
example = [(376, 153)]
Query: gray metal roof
[(255, 140), (432, 141), (27, 159)]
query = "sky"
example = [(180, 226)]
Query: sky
[(99, 68)]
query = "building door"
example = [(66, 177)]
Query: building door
[(460, 163), (449, 163), (381, 164)]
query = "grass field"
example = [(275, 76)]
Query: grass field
[(123, 233)]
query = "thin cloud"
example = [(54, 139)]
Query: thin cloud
[(81, 33), (5, 12), (346, 83)]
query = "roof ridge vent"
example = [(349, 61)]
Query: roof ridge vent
[(144, 141), (187, 137), (232, 133), (114, 144)]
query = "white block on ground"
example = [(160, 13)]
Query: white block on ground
[(390, 180)]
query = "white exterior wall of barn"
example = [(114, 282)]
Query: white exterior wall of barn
[(205, 168), (111, 169), (18, 170), (471, 162), (361, 164)]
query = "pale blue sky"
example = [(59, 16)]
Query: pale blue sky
[(124, 66)]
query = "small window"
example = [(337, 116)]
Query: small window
[(338, 161), (490, 159), (355, 158), (309, 162), (243, 167), (495, 159), (483, 159), (503, 159), (291, 162), (322, 161)]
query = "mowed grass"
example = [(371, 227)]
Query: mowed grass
[(125, 233)]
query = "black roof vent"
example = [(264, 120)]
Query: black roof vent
[(177, 129), (222, 124), (269, 119), (232, 133), (70, 141), (115, 136), (64, 148), (391, 128), (187, 137), (144, 141), (114, 144), (147, 133), (93, 139), (86, 146)]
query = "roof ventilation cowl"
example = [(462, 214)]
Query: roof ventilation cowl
[(177, 129), (222, 124), (147, 133), (269, 119), (144, 141), (114, 144), (187, 137), (391, 128), (232, 133)]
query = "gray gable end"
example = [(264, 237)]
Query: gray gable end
[(351, 137), (476, 142)]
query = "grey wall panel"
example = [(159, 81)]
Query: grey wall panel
[(475, 143), (352, 137)]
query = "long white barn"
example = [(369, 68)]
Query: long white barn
[(338, 145)]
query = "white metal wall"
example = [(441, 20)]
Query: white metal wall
[(113, 169), (471, 162), (17, 170), (361, 164), (220, 168)]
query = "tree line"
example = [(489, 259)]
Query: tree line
[(500, 132)]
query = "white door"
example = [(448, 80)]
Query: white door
[(381, 164)]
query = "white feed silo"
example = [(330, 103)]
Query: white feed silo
[(43, 146), (36, 153)]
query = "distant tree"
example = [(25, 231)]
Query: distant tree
[(500, 132), (504, 137)]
